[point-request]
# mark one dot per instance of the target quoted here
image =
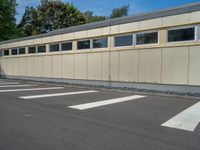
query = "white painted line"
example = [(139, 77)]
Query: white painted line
[(105, 102), (186, 120), (7, 86), (58, 94), (8, 83), (34, 89)]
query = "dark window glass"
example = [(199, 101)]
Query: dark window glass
[(181, 35), (54, 47), (84, 44), (66, 46), (42, 49), (6, 52), (14, 51), (1, 53), (126, 40), (31, 50), (100, 43), (22, 51), (147, 38)]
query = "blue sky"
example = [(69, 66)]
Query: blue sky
[(104, 7)]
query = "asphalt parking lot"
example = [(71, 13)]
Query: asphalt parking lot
[(36, 116)]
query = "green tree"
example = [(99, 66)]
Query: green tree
[(120, 12), (7, 19), (30, 23), (50, 15), (90, 18)]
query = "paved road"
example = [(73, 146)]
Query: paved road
[(47, 123)]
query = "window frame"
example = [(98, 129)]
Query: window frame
[(127, 46), (35, 50), (8, 52), (64, 42), (84, 40), (14, 49), (59, 45), (21, 48), (41, 52), (148, 44), (96, 38), (196, 29)]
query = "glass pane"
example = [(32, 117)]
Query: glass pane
[(6, 52), (54, 48), (41, 49), (100, 43), (22, 51), (123, 40), (181, 35), (147, 38), (14, 51), (31, 50), (84, 44), (66, 46)]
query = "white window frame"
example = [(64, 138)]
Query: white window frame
[(15, 49), (42, 52), (151, 44), (65, 42), (84, 40), (59, 45), (20, 48), (100, 38), (183, 27), (129, 46)]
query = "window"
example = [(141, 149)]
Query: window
[(14, 51), (54, 48), (1, 53), (41, 49), (126, 40), (100, 43), (22, 51), (186, 34), (147, 38), (6, 52), (31, 50), (84, 44), (66, 46)]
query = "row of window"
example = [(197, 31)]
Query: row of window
[(173, 35)]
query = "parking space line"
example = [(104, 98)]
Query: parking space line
[(186, 120), (8, 83), (105, 102), (32, 89), (58, 94), (22, 85)]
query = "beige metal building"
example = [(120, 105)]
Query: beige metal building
[(157, 48)]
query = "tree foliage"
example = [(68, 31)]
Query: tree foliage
[(50, 15), (93, 18), (7, 19), (120, 12)]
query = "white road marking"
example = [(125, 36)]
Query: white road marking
[(105, 102), (32, 89), (8, 83), (58, 94), (24, 85), (186, 120)]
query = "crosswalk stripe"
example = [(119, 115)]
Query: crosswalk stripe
[(8, 83), (186, 120), (105, 102), (31, 89), (7, 86), (57, 94)]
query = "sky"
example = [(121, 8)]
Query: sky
[(105, 7)]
